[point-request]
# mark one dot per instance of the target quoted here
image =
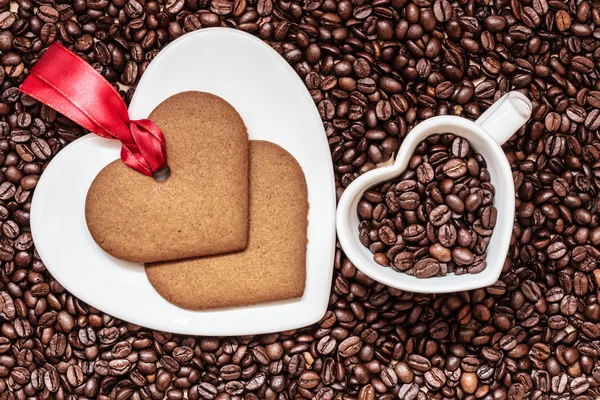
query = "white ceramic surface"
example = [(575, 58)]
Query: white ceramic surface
[(275, 106), (486, 135)]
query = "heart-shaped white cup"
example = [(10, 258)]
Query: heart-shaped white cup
[(486, 135)]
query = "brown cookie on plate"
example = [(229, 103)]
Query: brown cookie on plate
[(201, 209), (273, 267)]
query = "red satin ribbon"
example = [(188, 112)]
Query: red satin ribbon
[(66, 83)]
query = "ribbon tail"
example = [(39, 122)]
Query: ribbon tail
[(37, 88), (65, 82)]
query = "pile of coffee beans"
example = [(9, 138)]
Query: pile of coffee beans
[(437, 217), (374, 69)]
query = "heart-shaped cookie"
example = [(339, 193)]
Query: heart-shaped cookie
[(201, 209), (273, 267)]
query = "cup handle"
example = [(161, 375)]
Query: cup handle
[(505, 116)]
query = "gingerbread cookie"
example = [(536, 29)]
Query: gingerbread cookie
[(273, 267), (201, 209)]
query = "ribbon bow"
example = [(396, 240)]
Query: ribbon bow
[(66, 83)]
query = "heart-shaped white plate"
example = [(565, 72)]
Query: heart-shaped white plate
[(275, 106)]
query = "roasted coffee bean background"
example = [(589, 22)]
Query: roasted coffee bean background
[(374, 69), (437, 217)]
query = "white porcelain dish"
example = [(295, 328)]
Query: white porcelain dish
[(275, 106), (486, 135)]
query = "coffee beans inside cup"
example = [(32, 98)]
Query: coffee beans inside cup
[(437, 217)]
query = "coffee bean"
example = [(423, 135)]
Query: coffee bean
[(350, 346), (408, 391), (390, 85), (366, 392), (381, 259), (366, 85), (473, 201), (593, 98), (455, 168), (435, 378), (556, 250), (51, 380), (205, 390), (426, 268), (362, 68), (495, 23), (87, 336), (469, 382), (41, 149), (440, 253), (579, 385), (118, 367), (460, 147), (408, 200), (387, 235), (414, 233), (455, 203), (447, 235), (7, 19), (308, 380), (462, 256), (75, 375), (230, 372), (6, 252), (403, 261), (264, 7), (419, 363), (20, 375), (425, 173), (48, 14), (440, 215), (592, 121)]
